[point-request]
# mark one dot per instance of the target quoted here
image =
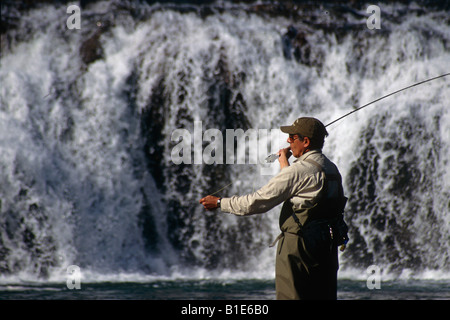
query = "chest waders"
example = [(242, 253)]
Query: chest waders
[(306, 263)]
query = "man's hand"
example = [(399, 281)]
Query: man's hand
[(209, 202), (284, 155)]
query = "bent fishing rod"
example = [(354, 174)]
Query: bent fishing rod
[(274, 156), (388, 95)]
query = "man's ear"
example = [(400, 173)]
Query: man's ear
[(307, 142)]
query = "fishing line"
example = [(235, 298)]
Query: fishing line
[(271, 158), (221, 189)]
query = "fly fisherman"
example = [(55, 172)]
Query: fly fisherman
[(311, 221)]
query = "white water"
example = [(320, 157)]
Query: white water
[(73, 164)]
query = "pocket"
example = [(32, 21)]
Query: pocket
[(340, 229)]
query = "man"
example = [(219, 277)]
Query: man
[(311, 217)]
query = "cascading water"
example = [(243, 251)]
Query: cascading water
[(87, 115)]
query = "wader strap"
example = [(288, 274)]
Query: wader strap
[(281, 235), (294, 216)]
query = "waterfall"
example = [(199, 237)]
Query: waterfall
[(87, 117)]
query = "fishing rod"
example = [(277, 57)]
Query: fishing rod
[(388, 95), (271, 158)]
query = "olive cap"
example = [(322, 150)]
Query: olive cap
[(306, 127)]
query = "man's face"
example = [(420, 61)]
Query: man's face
[(299, 145)]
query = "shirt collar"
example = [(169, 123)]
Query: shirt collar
[(307, 154)]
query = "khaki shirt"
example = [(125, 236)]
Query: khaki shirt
[(301, 183)]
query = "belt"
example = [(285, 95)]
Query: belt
[(281, 235)]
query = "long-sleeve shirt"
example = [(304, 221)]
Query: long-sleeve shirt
[(301, 183)]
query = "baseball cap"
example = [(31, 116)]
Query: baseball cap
[(307, 127)]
